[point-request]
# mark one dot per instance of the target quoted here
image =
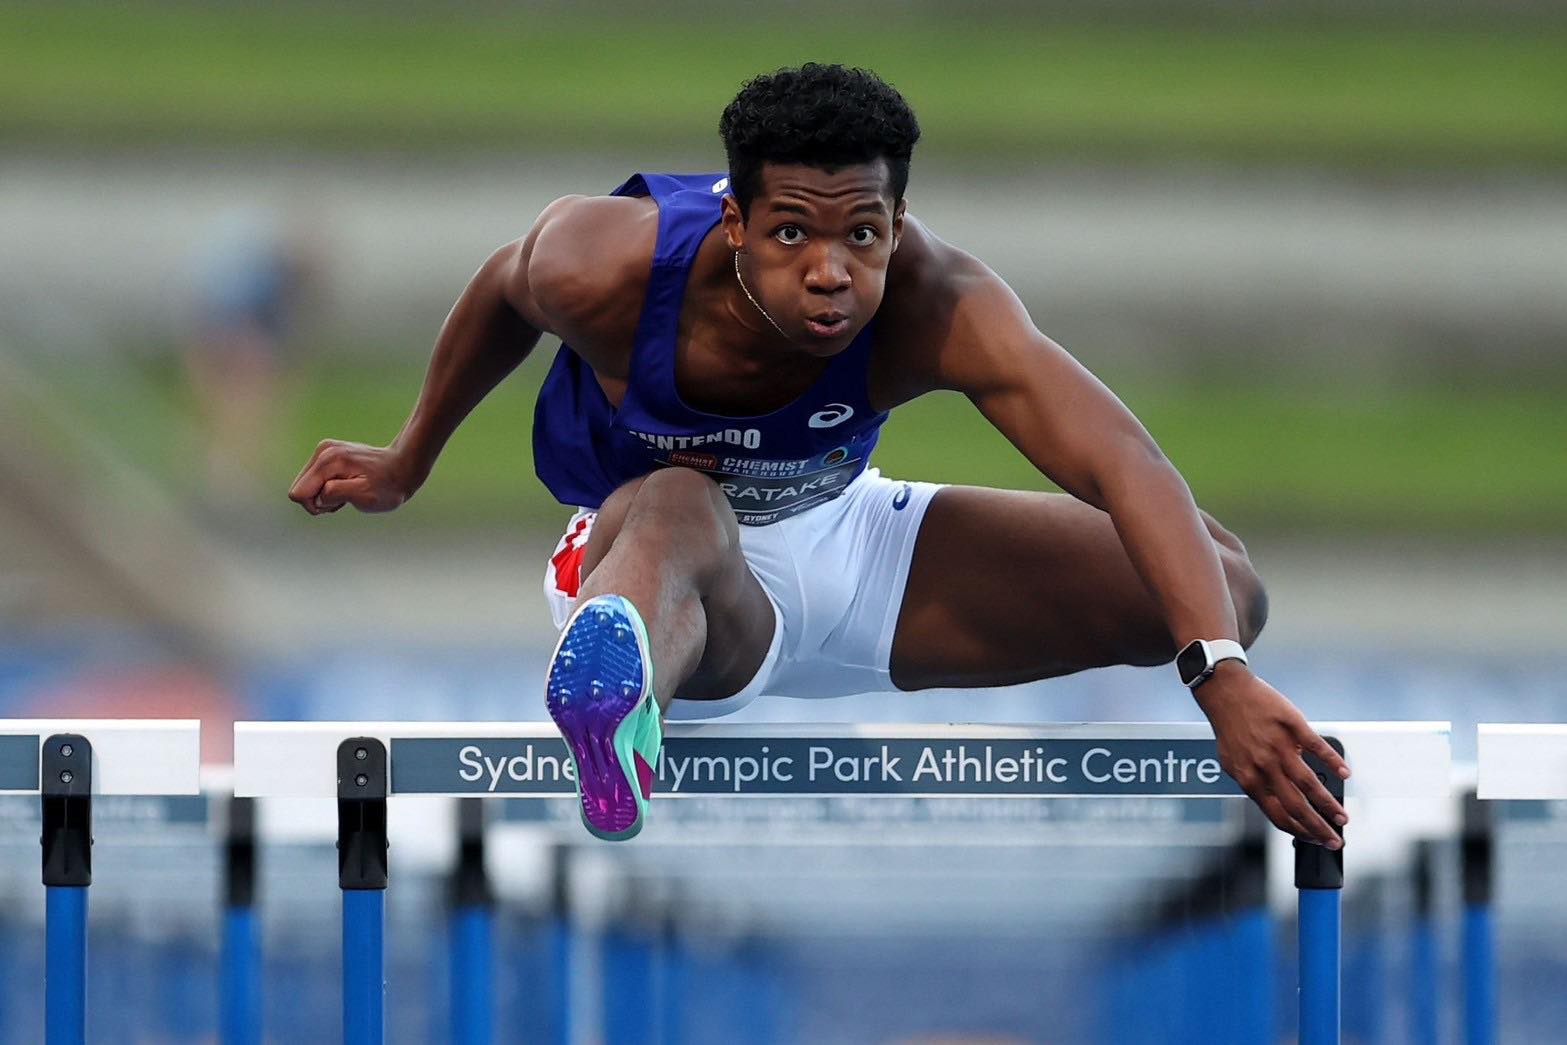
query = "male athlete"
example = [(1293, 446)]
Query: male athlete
[(732, 345)]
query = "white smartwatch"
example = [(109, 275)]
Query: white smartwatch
[(1196, 662)]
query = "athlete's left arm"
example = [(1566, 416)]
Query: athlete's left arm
[(1080, 435)]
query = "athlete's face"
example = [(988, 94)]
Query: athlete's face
[(815, 249)]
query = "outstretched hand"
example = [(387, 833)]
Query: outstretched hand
[(1261, 737), (371, 478)]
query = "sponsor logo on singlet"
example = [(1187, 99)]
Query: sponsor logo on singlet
[(759, 489), (701, 462), (834, 414), (750, 438)]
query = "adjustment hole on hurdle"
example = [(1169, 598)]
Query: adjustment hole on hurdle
[(66, 776), (361, 754), (67, 750), (361, 780)]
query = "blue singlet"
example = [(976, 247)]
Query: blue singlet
[(770, 467)]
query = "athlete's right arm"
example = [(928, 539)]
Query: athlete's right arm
[(493, 326)]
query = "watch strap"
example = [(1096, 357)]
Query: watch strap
[(1212, 652), (1225, 649)]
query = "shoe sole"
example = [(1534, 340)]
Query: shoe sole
[(596, 683)]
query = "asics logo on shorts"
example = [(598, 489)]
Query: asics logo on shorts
[(835, 414)]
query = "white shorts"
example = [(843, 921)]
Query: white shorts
[(835, 575)]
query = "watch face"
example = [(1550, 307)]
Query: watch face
[(1191, 662)]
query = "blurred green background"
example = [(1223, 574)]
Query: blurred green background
[(1394, 417)]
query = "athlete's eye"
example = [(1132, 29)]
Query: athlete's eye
[(790, 234), (864, 236)]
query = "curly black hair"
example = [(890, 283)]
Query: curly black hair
[(826, 116)]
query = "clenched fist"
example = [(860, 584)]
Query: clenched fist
[(371, 478)]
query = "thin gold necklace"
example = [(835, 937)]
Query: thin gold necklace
[(752, 299)]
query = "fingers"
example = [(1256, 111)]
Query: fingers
[(1274, 810), (1310, 741), (319, 488), (1290, 792), (337, 492), (1294, 798), (307, 484), (1319, 796)]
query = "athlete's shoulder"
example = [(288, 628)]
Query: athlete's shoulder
[(928, 276), (931, 286), (586, 253)]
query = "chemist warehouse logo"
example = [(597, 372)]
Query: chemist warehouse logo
[(838, 766)]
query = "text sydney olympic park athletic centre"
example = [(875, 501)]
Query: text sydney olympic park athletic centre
[(826, 765)]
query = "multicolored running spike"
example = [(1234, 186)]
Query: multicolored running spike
[(600, 693)]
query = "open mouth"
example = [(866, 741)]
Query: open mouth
[(828, 324)]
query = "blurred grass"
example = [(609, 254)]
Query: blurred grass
[(1319, 91), (1433, 458)]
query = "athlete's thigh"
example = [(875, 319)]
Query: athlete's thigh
[(678, 526), (1008, 586)]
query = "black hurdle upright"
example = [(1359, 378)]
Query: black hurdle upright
[(361, 874), (1319, 876), (1479, 934), (65, 785), (1424, 1014), (240, 999), (471, 931)]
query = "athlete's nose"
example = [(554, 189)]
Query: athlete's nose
[(828, 273)]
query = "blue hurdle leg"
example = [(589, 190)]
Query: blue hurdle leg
[(1423, 993), (1479, 975), (364, 966), (1319, 878), (241, 986), (472, 975), (65, 965), (1319, 966), (1253, 944), (362, 876)]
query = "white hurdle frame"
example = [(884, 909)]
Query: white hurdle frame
[(66, 762), (506, 760), (1516, 762)]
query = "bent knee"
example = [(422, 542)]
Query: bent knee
[(1249, 596), (1247, 593), (674, 513)]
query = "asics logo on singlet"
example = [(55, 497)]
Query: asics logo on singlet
[(835, 414), (721, 184)]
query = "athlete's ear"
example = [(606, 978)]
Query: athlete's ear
[(897, 222), (733, 222)]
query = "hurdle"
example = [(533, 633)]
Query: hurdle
[(1516, 762), (67, 762), (365, 764)]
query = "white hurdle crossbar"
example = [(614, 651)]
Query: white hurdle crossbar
[(528, 760), (1522, 761), (129, 756)]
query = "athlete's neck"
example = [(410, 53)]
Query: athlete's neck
[(740, 327)]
